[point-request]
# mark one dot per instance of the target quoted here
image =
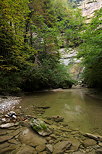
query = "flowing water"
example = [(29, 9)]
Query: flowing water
[(79, 110)]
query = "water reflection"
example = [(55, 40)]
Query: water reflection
[(78, 109)]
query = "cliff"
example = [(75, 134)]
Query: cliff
[(89, 7)]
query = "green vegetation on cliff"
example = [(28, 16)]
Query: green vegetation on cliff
[(91, 52), (31, 33)]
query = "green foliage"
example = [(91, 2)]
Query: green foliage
[(31, 33), (91, 52)]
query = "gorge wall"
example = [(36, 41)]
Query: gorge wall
[(89, 7)]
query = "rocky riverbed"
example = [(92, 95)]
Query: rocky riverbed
[(17, 135)]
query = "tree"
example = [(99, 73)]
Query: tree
[(91, 52), (30, 32)]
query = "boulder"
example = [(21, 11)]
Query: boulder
[(40, 127)]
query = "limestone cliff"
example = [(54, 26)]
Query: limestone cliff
[(89, 7)]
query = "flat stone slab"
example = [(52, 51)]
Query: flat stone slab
[(8, 125), (75, 144), (61, 147), (9, 149), (89, 142), (40, 148), (25, 149), (95, 137), (49, 148), (98, 151), (29, 137), (5, 138)]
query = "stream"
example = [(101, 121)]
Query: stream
[(80, 111)]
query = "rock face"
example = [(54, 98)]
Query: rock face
[(89, 7)]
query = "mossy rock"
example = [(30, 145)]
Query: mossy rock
[(40, 127)]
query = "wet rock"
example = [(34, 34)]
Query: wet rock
[(14, 132), (56, 118), (3, 119), (98, 151), (12, 141), (89, 142), (49, 148), (5, 138), (40, 148), (75, 144), (79, 152), (95, 137), (9, 149), (51, 141), (65, 130), (100, 144), (54, 127), (49, 122), (61, 147), (48, 138), (91, 152), (31, 138), (44, 152), (65, 125), (25, 149), (4, 145), (7, 125), (3, 132), (40, 127), (43, 107), (11, 113), (4, 97), (53, 136)]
